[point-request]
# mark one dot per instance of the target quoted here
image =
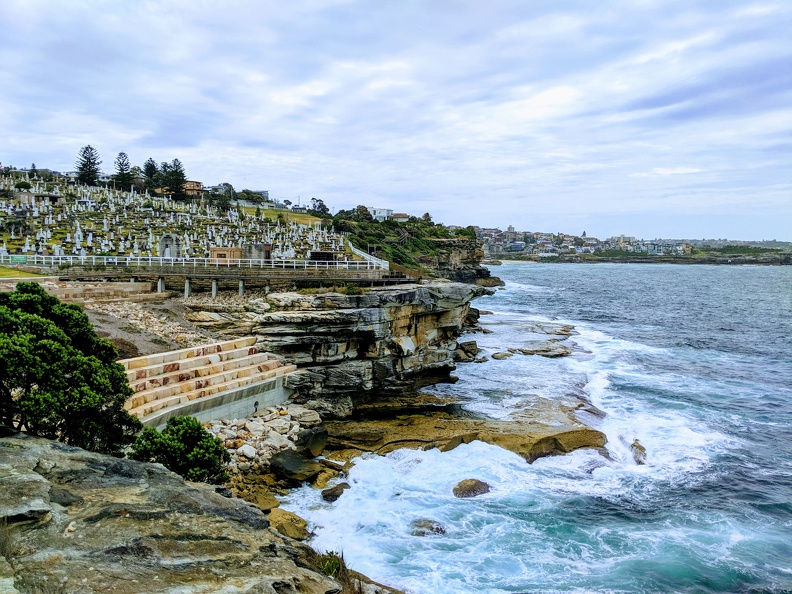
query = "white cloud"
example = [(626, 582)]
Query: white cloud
[(545, 113)]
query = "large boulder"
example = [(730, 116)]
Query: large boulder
[(470, 488), (311, 441), (288, 524), (333, 493), (292, 465)]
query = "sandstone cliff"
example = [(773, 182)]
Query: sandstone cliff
[(76, 522), (459, 260), (391, 340)]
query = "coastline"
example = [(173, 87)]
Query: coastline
[(781, 259), (438, 315)]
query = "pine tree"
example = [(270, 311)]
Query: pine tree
[(173, 178), (33, 171), (88, 163), (150, 171), (123, 175)]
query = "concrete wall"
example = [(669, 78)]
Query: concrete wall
[(230, 404)]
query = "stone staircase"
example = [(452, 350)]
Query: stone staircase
[(176, 379)]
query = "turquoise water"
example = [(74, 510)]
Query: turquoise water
[(696, 362)]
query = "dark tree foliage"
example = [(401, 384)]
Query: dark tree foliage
[(150, 173), (88, 163), (184, 447), (359, 214), (251, 196), (222, 199), (123, 174), (172, 179), (58, 379), (33, 171), (319, 208)]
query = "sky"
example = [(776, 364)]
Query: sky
[(652, 118)]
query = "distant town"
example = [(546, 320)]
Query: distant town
[(551, 245)]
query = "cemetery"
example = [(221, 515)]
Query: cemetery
[(58, 225)]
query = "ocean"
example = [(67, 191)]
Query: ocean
[(695, 361)]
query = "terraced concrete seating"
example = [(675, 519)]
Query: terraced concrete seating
[(169, 379)]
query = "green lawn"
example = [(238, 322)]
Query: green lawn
[(13, 273)]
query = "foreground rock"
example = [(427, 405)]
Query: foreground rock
[(389, 341), (87, 523)]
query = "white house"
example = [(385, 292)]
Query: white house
[(380, 214)]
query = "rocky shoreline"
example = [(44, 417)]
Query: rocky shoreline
[(363, 360)]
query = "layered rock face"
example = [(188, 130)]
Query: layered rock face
[(391, 340), (78, 522), (460, 260)]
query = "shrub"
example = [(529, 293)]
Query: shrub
[(186, 448), (22, 185), (332, 564), (58, 379)]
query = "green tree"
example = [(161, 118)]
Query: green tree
[(150, 173), (88, 163), (123, 174), (33, 171), (222, 198), (184, 447), (318, 207), (251, 196), (172, 179), (58, 379)]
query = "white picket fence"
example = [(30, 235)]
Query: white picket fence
[(368, 263)]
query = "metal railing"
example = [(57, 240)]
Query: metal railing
[(134, 261), (377, 262)]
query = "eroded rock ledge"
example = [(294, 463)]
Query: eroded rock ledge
[(388, 341), (546, 430), (84, 522)]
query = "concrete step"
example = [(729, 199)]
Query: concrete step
[(136, 375), (192, 372), (193, 384), (148, 408), (188, 353)]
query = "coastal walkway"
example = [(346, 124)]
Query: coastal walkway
[(228, 379)]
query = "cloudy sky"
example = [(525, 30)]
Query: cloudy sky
[(654, 118)]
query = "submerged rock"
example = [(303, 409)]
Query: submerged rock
[(470, 488), (638, 452), (426, 527)]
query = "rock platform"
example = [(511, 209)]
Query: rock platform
[(85, 523)]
